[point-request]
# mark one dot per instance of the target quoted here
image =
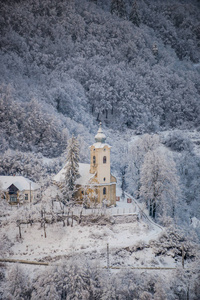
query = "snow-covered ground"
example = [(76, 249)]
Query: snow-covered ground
[(129, 241)]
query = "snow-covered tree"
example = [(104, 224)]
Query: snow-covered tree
[(71, 169), (159, 291), (135, 158), (2, 192), (159, 183), (77, 283), (16, 284), (134, 16), (118, 8), (44, 286), (145, 296), (109, 291)]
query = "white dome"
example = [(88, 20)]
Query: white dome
[(100, 136)]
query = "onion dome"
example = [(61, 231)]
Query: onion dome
[(100, 136)]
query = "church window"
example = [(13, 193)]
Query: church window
[(104, 191), (104, 179), (104, 159), (104, 149), (94, 160)]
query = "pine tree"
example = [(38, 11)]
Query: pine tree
[(109, 291), (134, 16), (118, 8), (159, 291), (16, 286), (77, 282), (71, 169), (45, 286)]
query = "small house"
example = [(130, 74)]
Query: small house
[(18, 189)]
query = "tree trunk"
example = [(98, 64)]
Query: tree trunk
[(68, 218), (30, 220), (45, 234), (20, 233), (154, 209), (80, 217), (72, 220), (63, 219)]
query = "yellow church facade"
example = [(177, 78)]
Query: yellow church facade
[(95, 185)]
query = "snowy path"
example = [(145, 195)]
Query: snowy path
[(157, 228)]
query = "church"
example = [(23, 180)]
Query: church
[(96, 184)]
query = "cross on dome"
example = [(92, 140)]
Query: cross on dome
[(100, 136)]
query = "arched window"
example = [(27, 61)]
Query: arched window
[(104, 160), (104, 191), (94, 160)]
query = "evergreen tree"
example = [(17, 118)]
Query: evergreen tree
[(134, 16), (118, 8), (45, 286), (109, 291), (16, 284), (71, 169), (77, 283)]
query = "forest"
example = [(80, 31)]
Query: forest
[(133, 65)]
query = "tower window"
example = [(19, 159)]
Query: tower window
[(104, 191), (94, 160), (104, 179), (104, 160)]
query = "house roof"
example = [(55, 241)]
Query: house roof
[(84, 171), (20, 182)]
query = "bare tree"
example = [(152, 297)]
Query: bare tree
[(159, 183)]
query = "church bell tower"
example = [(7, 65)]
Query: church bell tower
[(100, 166)]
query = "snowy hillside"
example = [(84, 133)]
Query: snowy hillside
[(134, 244), (134, 65)]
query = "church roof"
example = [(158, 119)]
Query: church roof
[(84, 171), (20, 182), (100, 136), (100, 145)]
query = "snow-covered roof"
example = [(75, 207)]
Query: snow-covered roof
[(100, 145), (84, 171), (20, 182)]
